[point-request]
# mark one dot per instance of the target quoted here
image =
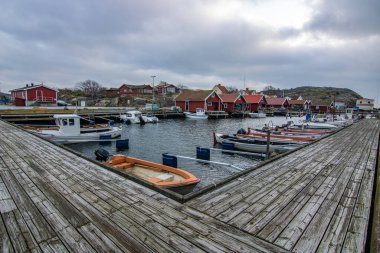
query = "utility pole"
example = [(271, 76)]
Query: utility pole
[(153, 92)]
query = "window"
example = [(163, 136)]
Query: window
[(361, 102), (369, 102), (64, 122), (71, 122), (213, 95), (225, 106), (209, 104)]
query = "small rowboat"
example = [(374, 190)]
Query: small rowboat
[(160, 175)]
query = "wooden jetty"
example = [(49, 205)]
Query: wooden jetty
[(315, 199)]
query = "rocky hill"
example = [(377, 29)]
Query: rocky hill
[(321, 95)]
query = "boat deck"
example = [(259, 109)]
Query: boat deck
[(315, 199)]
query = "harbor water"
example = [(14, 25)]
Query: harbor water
[(181, 137)]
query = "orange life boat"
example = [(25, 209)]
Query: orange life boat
[(155, 173)]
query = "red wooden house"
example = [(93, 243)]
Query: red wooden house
[(166, 89), (277, 103), (254, 103), (33, 94), (232, 102), (135, 89), (320, 106), (299, 104), (190, 100), (112, 92)]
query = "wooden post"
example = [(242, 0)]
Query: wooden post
[(268, 142)]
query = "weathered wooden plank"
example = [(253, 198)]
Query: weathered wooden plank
[(36, 222), (357, 231), (5, 241)]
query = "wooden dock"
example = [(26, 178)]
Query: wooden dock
[(315, 199)]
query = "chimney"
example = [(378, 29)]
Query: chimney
[(27, 85), (32, 84)]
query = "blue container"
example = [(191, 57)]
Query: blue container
[(308, 117), (105, 137), (203, 153), (169, 160), (122, 144), (228, 146)]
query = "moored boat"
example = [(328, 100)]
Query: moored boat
[(257, 115), (69, 131), (254, 145), (160, 175), (199, 114), (137, 117), (274, 135)]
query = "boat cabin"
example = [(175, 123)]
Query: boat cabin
[(69, 124)]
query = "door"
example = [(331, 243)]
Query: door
[(186, 106), (39, 95)]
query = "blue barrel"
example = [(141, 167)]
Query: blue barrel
[(169, 160), (308, 117), (203, 153), (121, 144), (228, 146), (105, 137)]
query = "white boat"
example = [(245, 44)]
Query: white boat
[(69, 131), (252, 145), (257, 115), (312, 125), (199, 114), (137, 117)]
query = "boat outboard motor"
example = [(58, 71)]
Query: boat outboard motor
[(127, 122), (91, 123), (142, 121), (241, 131), (102, 154), (111, 122)]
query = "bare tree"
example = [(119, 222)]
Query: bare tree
[(90, 88), (269, 87), (232, 89)]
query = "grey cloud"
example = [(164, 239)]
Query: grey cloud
[(347, 18), (127, 41)]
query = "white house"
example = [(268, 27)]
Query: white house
[(365, 104)]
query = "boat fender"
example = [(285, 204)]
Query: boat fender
[(169, 160), (203, 153), (241, 131), (102, 154)]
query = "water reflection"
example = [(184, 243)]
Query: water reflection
[(181, 137)]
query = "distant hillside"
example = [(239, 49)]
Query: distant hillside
[(321, 95)]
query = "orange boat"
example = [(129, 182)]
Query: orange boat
[(161, 175)]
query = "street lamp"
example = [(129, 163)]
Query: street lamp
[(153, 91)]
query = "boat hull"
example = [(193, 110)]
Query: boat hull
[(160, 175), (252, 147)]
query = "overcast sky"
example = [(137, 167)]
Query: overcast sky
[(197, 43)]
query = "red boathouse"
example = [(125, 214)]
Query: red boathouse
[(190, 100), (33, 95)]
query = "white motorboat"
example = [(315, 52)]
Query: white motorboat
[(199, 114), (69, 131), (257, 115), (137, 117)]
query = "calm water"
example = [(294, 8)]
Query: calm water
[(181, 137)]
